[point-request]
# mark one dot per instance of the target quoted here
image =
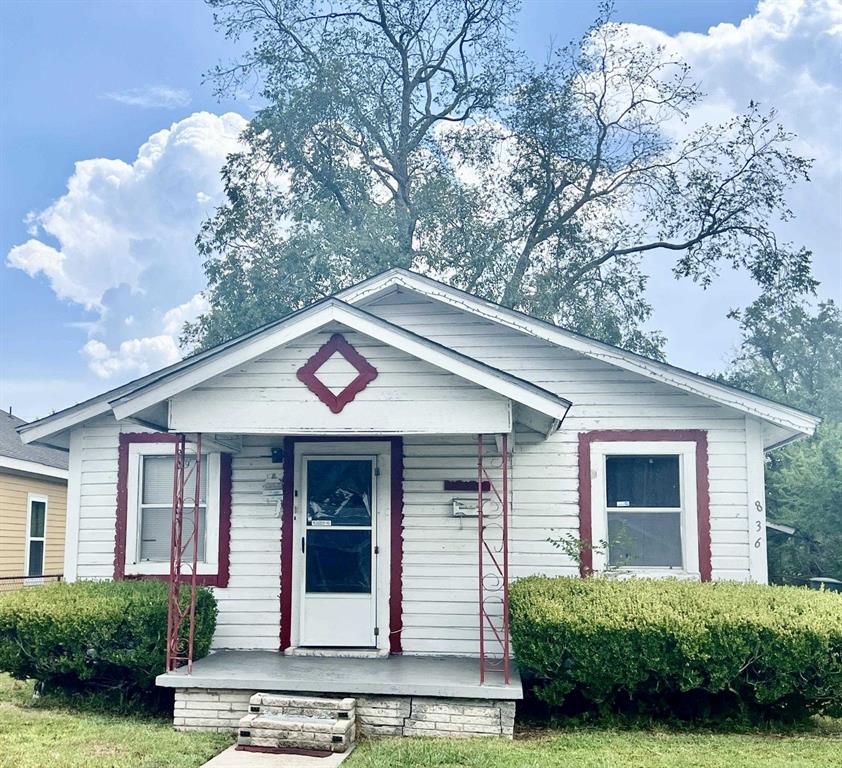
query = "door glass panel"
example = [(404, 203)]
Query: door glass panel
[(339, 561), (339, 492), (644, 538)]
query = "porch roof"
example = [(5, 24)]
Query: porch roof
[(441, 676), (145, 399)]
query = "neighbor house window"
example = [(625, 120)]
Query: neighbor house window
[(36, 534), (149, 510), (644, 512)]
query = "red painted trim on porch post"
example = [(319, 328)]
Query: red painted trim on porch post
[(697, 436), (396, 552), (287, 511), (218, 579)]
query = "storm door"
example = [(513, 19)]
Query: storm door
[(336, 553)]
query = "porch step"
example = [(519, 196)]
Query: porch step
[(298, 722)]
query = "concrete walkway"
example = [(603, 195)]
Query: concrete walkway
[(231, 758)]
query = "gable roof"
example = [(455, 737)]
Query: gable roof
[(14, 454), (130, 400), (791, 419)]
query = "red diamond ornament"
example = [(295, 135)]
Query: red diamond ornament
[(366, 373)]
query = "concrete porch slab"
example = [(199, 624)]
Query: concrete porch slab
[(232, 758), (435, 676)]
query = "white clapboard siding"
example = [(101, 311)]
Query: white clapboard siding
[(407, 395), (249, 609), (545, 473), (440, 613)]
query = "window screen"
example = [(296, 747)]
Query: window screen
[(643, 497), (643, 481), (155, 524)]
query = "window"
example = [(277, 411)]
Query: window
[(643, 509), (644, 506), (36, 534), (149, 510), (155, 509)]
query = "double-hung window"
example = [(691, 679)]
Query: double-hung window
[(644, 515), (36, 534), (149, 510)]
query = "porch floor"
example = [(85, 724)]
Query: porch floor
[(440, 676)]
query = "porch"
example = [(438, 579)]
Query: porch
[(389, 696), (429, 676)]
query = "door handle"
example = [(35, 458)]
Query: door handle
[(302, 544)]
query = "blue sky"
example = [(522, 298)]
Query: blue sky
[(97, 278)]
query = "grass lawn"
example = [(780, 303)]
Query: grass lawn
[(594, 748), (44, 737)]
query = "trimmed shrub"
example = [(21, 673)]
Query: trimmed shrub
[(679, 649), (94, 635)]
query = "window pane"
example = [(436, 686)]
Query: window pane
[(36, 558), (644, 538), (155, 529), (37, 515), (339, 492), (158, 480), (642, 481), (339, 561)]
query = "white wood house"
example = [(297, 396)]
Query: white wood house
[(341, 492)]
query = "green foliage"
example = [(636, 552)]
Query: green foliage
[(94, 635), (682, 649), (793, 353), (804, 490), (412, 135)]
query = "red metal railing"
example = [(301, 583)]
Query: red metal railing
[(493, 539), (181, 614)]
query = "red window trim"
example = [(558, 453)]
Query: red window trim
[(697, 436), (395, 534), (218, 579)]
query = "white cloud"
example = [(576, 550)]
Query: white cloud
[(175, 319), (785, 55), (120, 241), (151, 97), (132, 358)]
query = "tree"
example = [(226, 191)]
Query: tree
[(407, 133), (793, 353)]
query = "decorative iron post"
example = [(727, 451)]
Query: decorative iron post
[(181, 617), (493, 560)]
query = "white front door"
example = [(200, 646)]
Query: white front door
[(336, 551)]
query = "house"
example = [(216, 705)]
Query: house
[(33, 499), (375, 469)]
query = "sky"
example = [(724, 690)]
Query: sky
[(111, 145)]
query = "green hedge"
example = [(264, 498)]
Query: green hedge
[(681, 649), (94, 635)]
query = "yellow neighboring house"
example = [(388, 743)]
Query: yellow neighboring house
[(33, 506)]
